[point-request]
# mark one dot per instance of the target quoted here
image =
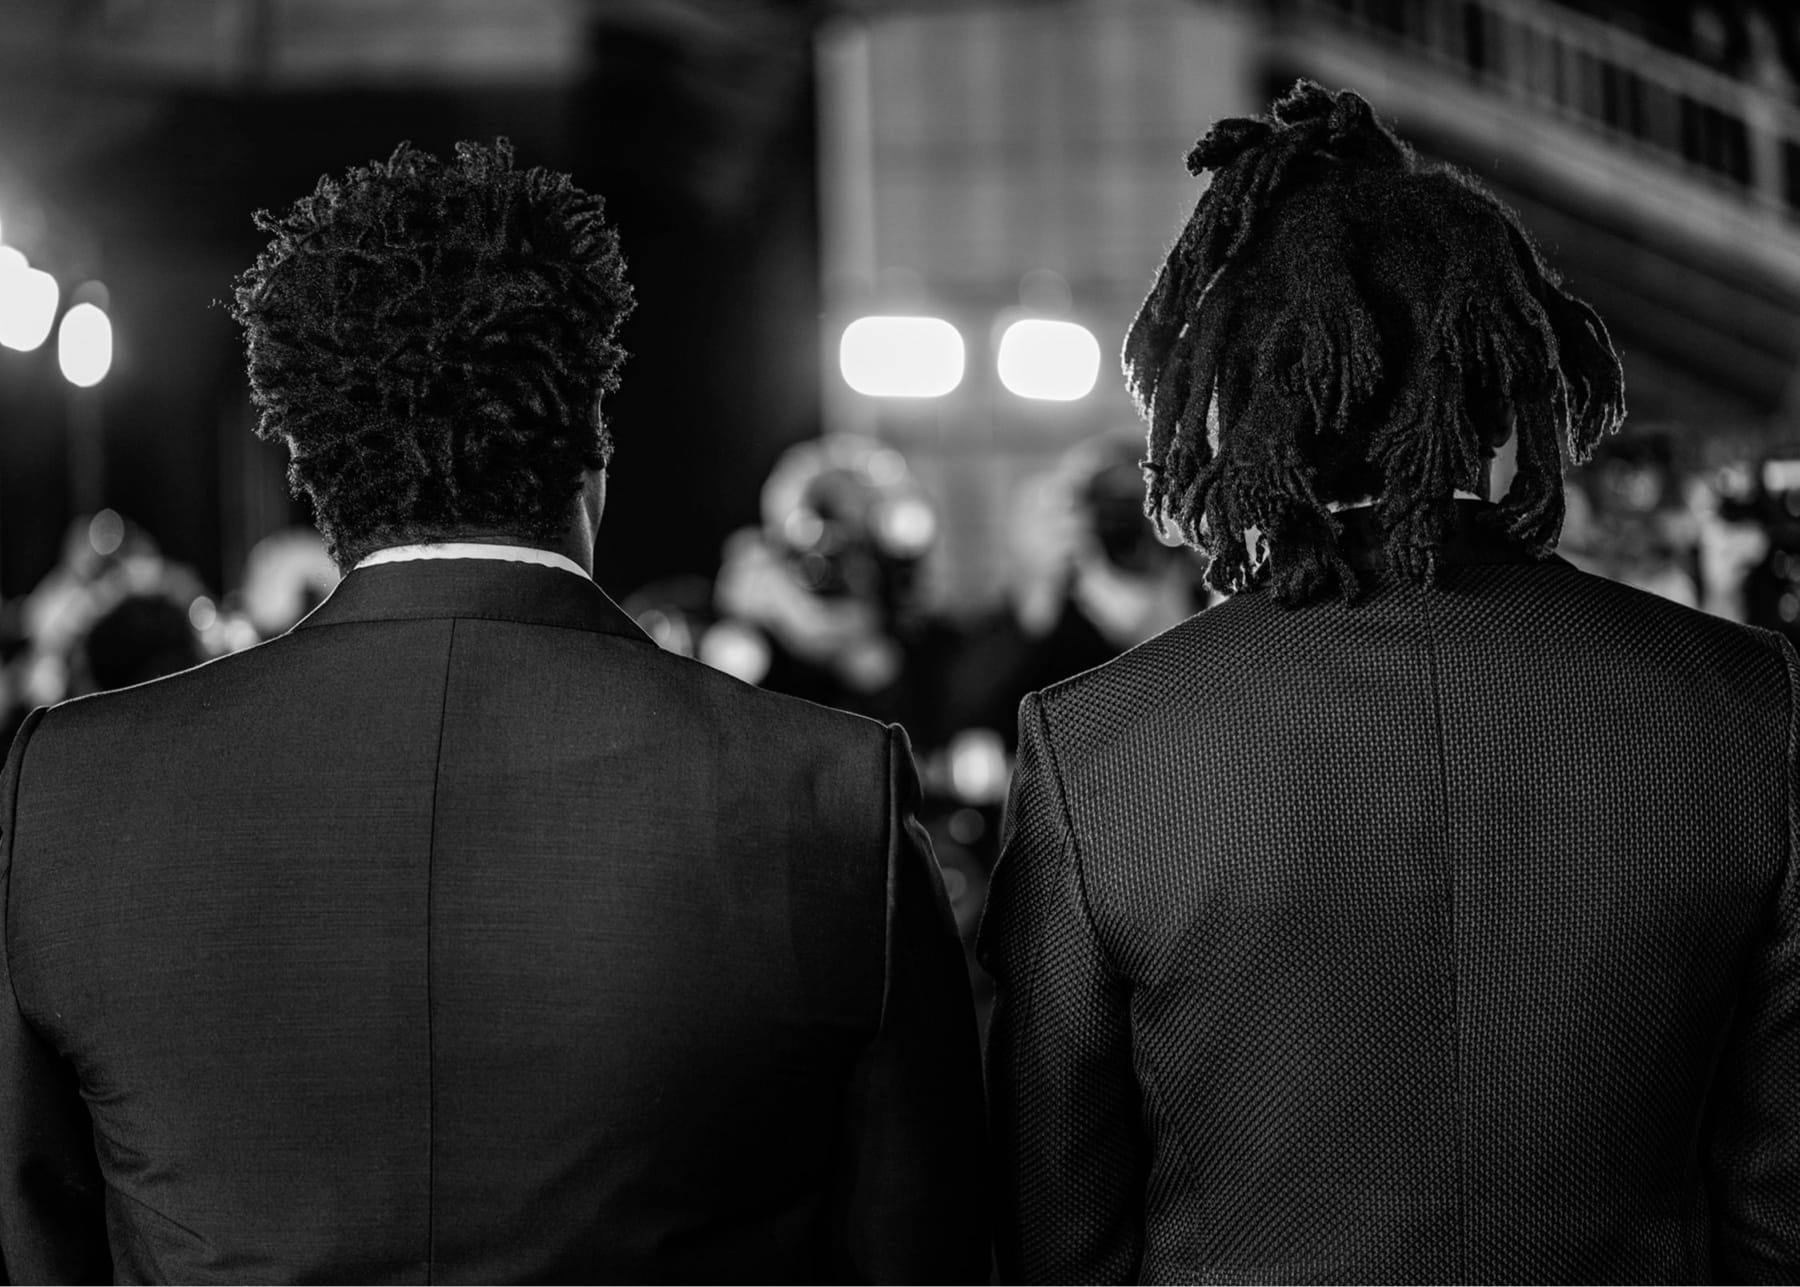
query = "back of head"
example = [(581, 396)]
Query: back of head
[(431, 341), (1342, 320)]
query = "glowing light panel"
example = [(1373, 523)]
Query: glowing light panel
[(901, 357), (28, 300), (1051, 361), (84, 345)]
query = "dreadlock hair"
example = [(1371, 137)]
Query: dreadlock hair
[(431, 341), (1353, 321)]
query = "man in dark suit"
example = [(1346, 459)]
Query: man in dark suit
[(1427, 911), (461, 934)]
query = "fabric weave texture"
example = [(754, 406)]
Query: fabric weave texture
[(1450, 936), (462, 934)]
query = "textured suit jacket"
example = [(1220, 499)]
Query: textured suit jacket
[(463, 934), (1450, 936)]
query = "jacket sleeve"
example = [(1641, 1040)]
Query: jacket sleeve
[(52, 1213), (1754, 1158), (914, 1175), (1071, 1154)]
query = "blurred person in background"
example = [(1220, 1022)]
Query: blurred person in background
[(1629, 519), (680, 613), (1090, 577), (105, 556), (830, 580), (460, 932), (823, 601), (286, 575), (1755, 531), (111, 570), (1428, 909), (1729, 538), (140, 638)]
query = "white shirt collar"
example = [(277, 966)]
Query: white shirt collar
[(474, 550)]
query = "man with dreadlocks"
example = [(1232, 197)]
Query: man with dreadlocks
[(461, 933), (1428, 910)]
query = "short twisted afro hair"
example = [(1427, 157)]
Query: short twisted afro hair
[(1352, 321), (431, 341)]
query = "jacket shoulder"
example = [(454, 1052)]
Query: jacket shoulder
[(777, 718), (1544, 615), (1117, 693)]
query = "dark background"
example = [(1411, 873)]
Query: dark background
[(716, 208)]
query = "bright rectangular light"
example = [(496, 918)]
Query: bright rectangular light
[(901, 357), (1052, 361)]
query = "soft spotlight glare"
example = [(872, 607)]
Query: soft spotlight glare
[(84, 346), (886, 467), (1051, 361), (906, 527), (736, 649), (978, 770), (27, 302), (106, 532), (901, 357)]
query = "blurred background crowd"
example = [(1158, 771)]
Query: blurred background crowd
[(873, 447)]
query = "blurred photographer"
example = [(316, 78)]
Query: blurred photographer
[(1755, 537), (1091, 578), (1628, 519), (829, 581)]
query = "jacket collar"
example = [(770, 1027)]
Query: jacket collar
[(1475, 538), (485, 588)]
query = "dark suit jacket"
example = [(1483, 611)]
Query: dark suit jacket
[(463, 934), (1453, 935)]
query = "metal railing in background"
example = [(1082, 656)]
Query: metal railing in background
[(1741, 135)]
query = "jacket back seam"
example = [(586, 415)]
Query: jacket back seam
[(437, 773)]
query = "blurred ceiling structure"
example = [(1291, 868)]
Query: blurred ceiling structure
[(81, 73), (278, 44)]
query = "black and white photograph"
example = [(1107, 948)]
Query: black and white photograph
[(900, 641)]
